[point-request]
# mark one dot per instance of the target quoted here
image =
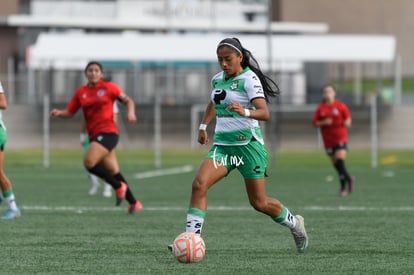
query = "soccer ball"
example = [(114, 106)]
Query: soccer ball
[(188, 247)]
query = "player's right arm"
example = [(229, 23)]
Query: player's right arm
[(71, 108), (207, 117), (318, 121), (61, 113)]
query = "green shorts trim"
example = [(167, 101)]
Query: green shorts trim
[(3, 138), (250, 159)]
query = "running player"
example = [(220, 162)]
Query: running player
[(238, 101), (84, 140), (96, 99), (12, 210), (333, 118)]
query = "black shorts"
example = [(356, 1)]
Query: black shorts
[(331, 151), (107, 140)]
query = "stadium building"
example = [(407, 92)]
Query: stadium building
[(162, 53)]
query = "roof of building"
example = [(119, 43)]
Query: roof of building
[(73, 50)]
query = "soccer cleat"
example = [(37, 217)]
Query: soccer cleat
[(343, 193), (120, 193), (170, 247), (299, 234), (11, 214), (134, 207), (351, 184), (107, 192)]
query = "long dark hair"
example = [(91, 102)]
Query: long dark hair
[(270, 88)]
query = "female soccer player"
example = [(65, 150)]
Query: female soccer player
[(96, 99), (333, 119), (238, 100), (12, 210), (84, 140)]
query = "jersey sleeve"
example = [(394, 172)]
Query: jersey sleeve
[(74, 104), (253, 87), (115, 91)]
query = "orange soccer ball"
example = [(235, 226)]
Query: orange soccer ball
[(189, 247)]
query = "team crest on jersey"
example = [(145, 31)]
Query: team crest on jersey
[(100, 92), (335, 111), (234, 85)]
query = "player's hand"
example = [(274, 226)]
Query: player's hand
[(327, 121), (202, 137), (55, 113), (236, 107), (131, 118)]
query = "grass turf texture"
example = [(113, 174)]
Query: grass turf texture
[(64, 231)]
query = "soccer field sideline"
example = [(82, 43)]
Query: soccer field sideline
[(80, 209)]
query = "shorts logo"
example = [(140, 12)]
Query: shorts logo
[(232, 160), (257, 169), (99, 138)]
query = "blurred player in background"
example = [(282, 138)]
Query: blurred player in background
[(84, 140), (96, 99), (333, 118), (12, 210), (238, 101)]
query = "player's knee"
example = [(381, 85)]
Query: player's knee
[(199, 186), (258, 204), (88, 163)]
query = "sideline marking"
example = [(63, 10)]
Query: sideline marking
[(164, 172), (210, 208)]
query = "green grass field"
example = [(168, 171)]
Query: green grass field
[(64, 231)]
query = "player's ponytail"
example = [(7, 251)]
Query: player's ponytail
[(270, 88)]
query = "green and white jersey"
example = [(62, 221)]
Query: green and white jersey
[(231, 128)]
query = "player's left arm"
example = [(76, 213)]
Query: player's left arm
[(347, 117), (254, 90), (130, 105), (3, 101), (125, 100)]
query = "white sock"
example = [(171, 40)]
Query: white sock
[(194, 224), (286, 218), (11, 202)]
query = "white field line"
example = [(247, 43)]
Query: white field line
[(164, 172), (40, 208)]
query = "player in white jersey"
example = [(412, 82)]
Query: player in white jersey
[(238, 101), (12, 210)]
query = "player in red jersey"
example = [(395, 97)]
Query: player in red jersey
[(96, 99), (333, 119)]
